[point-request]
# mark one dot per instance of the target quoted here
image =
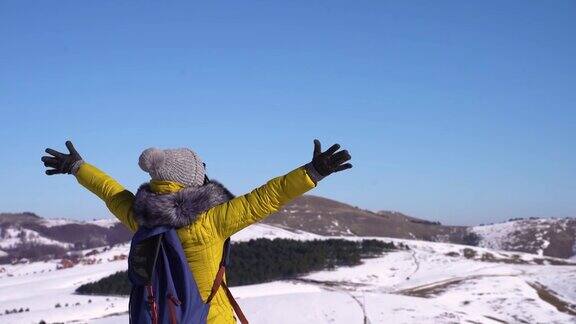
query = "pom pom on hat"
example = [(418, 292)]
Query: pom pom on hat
[(180, 165), (152, 158)]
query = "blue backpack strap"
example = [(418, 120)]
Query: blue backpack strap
[(142, 263), (163, 288), (144, 252)]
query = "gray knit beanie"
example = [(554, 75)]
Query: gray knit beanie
[(179, 165)]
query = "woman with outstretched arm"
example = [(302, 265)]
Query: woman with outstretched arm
[(204, 212)]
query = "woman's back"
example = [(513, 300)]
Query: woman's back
[(203, 212)]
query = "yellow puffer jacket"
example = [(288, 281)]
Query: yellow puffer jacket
[(203, 239)]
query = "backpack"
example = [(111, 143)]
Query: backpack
[(163, 288)]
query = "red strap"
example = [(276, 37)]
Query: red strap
[(216, 284), (172, 302), (219, 281), (235, 305), (152, 304)]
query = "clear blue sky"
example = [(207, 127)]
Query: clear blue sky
[(457, 111)]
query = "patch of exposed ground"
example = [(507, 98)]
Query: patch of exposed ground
[(469, 253), (337, 285), (436, 288), (551, 297), (495, 319), (431, 290)]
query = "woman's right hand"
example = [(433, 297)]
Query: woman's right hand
[(62, 163)]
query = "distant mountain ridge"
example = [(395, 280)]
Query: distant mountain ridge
[(545, 236), (554, 237), (29, 236), (329, 217), (24, 235)]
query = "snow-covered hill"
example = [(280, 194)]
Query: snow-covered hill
[(14, 236), (29, 236), (430, 283), (316, 215), (543, 236), (325, 216), (549, 236)]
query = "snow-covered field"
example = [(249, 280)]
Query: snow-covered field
[(420, 285)]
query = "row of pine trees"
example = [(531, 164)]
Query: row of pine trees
[(264, 260)]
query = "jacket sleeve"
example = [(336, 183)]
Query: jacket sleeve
[(229, 218), (118, 200)]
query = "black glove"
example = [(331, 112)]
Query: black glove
[(62, 163), (326, 163)]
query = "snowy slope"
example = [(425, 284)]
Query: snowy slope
[(420, 285), (39, 286), (544, 236), (104, 222), (13, 236), (271, 232)]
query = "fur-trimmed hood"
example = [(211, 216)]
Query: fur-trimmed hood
[(180, 208)]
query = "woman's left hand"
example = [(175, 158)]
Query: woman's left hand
[(62, 163)]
